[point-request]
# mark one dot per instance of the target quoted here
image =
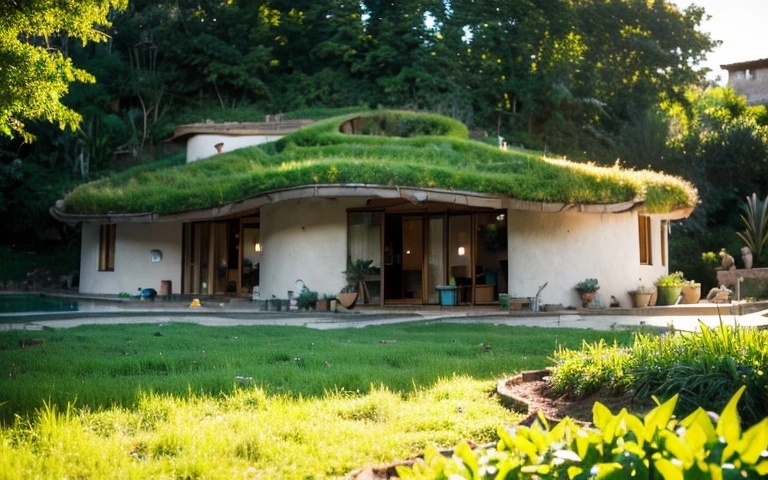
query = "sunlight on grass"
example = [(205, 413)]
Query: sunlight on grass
[(250, 433), (190, 401)]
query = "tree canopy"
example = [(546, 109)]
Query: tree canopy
[(35, 71)]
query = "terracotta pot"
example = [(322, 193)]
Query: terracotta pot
[(654, 298), (691, 293), (586, 298), (347, 300), (640, 300), (321, 305)]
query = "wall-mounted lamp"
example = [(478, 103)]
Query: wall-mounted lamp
[(257, 247), (462, 251), (407, 252)]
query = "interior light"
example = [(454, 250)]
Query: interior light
[(462, 251), (407, 252), (500, 217), (257, 247)]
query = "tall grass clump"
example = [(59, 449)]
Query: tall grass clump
[(705, 368)]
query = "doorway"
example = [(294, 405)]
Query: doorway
[(420, 251), (211, 258)]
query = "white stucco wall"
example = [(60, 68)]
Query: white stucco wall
[(204, 146), (566, 248), (304, 239), (133, 265)]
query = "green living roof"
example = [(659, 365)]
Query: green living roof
[(384, 148)]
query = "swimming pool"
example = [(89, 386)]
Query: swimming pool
[(27, 303)]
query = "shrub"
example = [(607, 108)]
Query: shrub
[(705, 368), (621, 446)]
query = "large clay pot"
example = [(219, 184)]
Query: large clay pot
[(668, 295), (640, 300), (691, 293), (347, 300)]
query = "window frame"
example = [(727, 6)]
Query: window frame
[(645, 240), (107, 235)]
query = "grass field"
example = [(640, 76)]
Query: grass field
[(189, 401)]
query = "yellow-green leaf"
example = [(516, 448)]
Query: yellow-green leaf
[(699, 417), (573, 472), (658, 418), (601, 415), (464, 452), (753, 442), (728, 426), (667, 469), (675, 446), (526, 447)]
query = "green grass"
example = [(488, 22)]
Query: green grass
[(190, 401), (427, 151), (706, 368)]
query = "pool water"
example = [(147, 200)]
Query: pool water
[(38, 303)]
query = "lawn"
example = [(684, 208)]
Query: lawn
[(191, 401)]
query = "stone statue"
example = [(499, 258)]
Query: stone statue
[(728, 263), (746, 257)]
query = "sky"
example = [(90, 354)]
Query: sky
[(740, 24)]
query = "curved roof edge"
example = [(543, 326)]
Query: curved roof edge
[(412, 194)]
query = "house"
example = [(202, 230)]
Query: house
[(204, 140), (407, 191), (749, 79)]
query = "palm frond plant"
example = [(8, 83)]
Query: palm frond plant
[(755, 218), (355, 275)]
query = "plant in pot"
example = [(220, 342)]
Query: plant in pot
[(669, 287), (355, 274), (587, 289), (347, 298), (641, 297), (307, 299), (691, 292)]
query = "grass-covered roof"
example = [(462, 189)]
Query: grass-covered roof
[(388, 148)]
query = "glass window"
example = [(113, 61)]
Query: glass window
[(107, 247), (644, 228)]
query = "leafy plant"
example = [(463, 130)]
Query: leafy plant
[(710, 258), (307, 299), (670, 280), (587, 286), (704, 367), (620, 446), (755, 218)]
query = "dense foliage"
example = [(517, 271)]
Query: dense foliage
[(321, 154), (705, 368), (599, 80), (620, 446)]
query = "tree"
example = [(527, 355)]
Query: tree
[(35, 71)]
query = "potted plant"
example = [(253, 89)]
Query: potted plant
[(355, 275), (347, 298), (324, 304), (307, 299), (587, 289), (669, 287), (641, 297), (691, 292)]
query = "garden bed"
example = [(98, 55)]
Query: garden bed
[(530, 392)]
